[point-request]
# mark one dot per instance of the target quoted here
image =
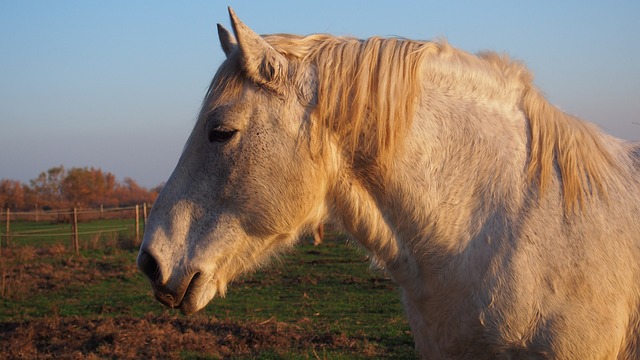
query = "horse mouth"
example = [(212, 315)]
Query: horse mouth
[(187, 301)]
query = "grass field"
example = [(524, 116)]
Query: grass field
[(316, 302)]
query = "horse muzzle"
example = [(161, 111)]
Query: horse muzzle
[(183, 297)]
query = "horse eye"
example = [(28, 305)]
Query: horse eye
[(220, 134)]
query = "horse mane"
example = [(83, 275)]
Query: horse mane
[(575, 145), (557, 139), (367, 92)]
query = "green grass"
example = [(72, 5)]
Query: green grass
[(331, 284), (326, 289)]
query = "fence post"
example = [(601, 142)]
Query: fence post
[(137, 224), (144, 214), (1, 252), (101, 211), (36, 212), (76, 245), (8, 228), (144, 217)]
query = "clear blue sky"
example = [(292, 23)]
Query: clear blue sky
[(117, 84)]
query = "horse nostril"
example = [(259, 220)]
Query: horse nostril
[(149, 266)]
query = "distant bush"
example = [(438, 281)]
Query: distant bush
[(76, 187)]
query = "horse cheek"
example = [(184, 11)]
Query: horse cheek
[(279, 190)]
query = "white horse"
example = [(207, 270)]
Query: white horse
[(513, 229)]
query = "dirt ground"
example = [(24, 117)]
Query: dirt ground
[(164, 337)]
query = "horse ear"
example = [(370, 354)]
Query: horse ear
[(227, 40), (262, 63)]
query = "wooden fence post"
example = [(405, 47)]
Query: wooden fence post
[(137, 224), (144, 217), (144, 214), (8, 228), (1, 251), (76, 244)]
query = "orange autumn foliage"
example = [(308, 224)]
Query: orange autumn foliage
[(76, 187)]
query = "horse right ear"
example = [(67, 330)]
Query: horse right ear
[(262, 63), (227, 40)]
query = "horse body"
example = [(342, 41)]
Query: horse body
[(507, 275), (512, 229)]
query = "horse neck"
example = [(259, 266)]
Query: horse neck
[(444, 190), (360, 212)]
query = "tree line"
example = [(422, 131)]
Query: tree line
[(60, 188)]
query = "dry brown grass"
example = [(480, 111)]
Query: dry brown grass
[(164, 337)]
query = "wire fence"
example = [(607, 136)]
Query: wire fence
[(64, 215), (40, 227)]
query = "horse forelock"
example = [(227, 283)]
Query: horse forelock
[(226, 84)]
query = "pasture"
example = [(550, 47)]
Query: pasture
[(315, 302)]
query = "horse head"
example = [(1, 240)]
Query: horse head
[(248, 181)]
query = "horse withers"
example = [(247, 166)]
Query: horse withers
[(513, 229)]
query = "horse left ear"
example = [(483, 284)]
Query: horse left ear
[(227, 40), (262, 63)]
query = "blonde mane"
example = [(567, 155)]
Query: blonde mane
[(557, 139), (576, 146), (367, 92)]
